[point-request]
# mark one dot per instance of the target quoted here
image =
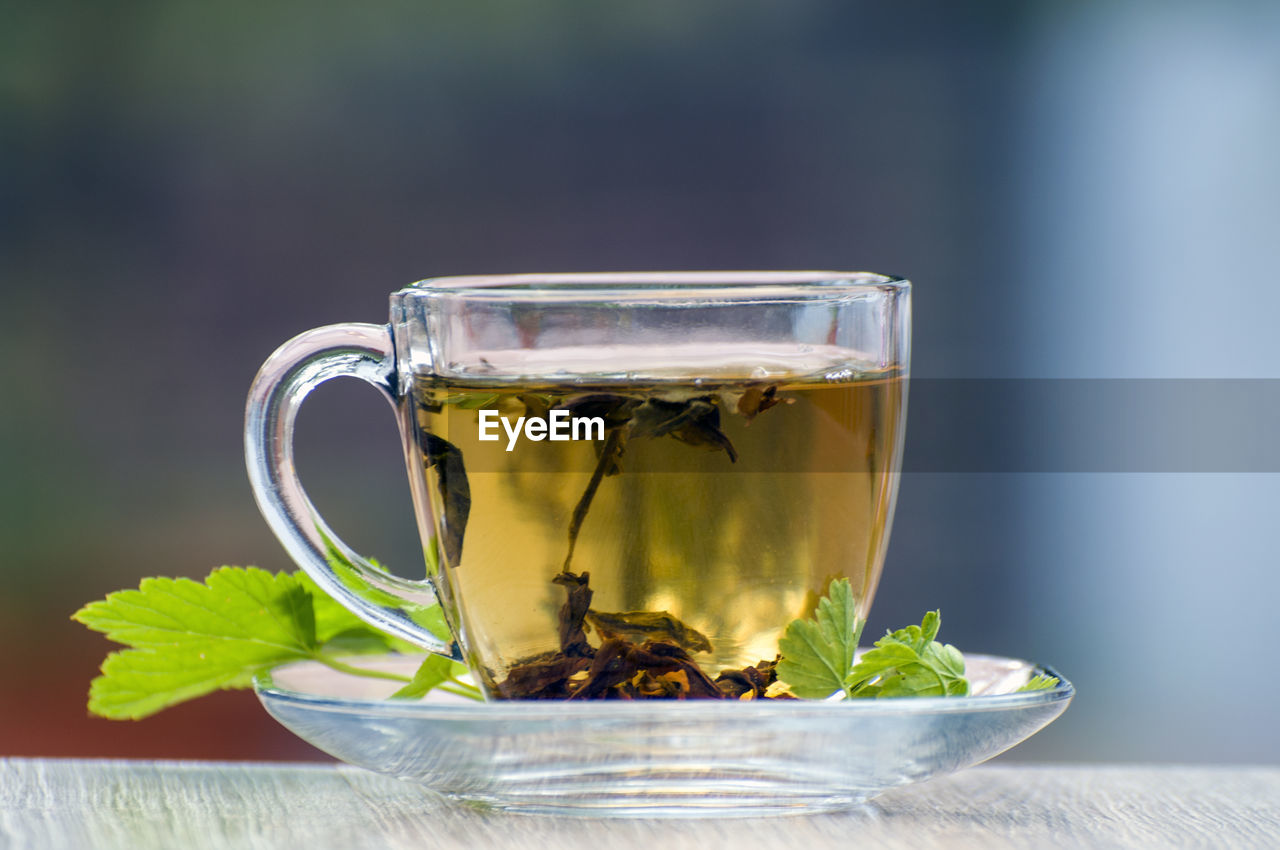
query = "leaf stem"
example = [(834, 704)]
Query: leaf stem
[(462, 689), (342, 667), (607, 456), (451, 685)]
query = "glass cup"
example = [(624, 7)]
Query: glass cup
[(626, 484)]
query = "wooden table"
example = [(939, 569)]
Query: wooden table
[(48, 804)]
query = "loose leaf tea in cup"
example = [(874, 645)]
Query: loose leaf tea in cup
[(703, 514)]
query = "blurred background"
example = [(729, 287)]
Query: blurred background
[(1079, 190)]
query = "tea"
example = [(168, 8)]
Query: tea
[(651, 511)]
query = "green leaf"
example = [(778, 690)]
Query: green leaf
[(136, 683), (909, 662), (234, 605), (430, 617), (1039, 682), (187, 638), (337, 627), (818, 653), (437, 671)]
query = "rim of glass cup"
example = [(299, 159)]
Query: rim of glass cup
[(682, 284)]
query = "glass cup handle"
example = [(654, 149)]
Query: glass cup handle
[(395, 605)]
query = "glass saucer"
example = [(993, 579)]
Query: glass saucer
[(658, 758)]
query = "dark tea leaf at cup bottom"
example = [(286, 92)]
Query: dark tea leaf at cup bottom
[(638, 658), (573, 639), (639, 626)]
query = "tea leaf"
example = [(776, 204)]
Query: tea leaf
[(455, 492), (187, 638), (756, 400), (695, 422), (818, 653), (608, 460), (536, 406), (639, 626), (578, 593), (614, 409)]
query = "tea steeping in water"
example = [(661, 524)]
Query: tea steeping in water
[(673, 544)]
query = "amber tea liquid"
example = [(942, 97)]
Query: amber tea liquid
[(732, 538)]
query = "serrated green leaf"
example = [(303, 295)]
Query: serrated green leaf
[(909, 662), (136, 683), (234, 605), (806, 664), (818, 653), (298, 611), (187, 638), (885, 656)]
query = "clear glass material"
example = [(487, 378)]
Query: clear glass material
[(739, 451), (694, 758)]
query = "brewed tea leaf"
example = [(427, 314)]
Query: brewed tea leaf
[(757, 400), (703, 429), (639, 626), (535, 406), (695, 422), (455, 492), (614, 409), (620, 668), (552, 676), (573, 639), (753, 680), (610, 452)]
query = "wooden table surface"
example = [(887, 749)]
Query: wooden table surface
[(48, 804)]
